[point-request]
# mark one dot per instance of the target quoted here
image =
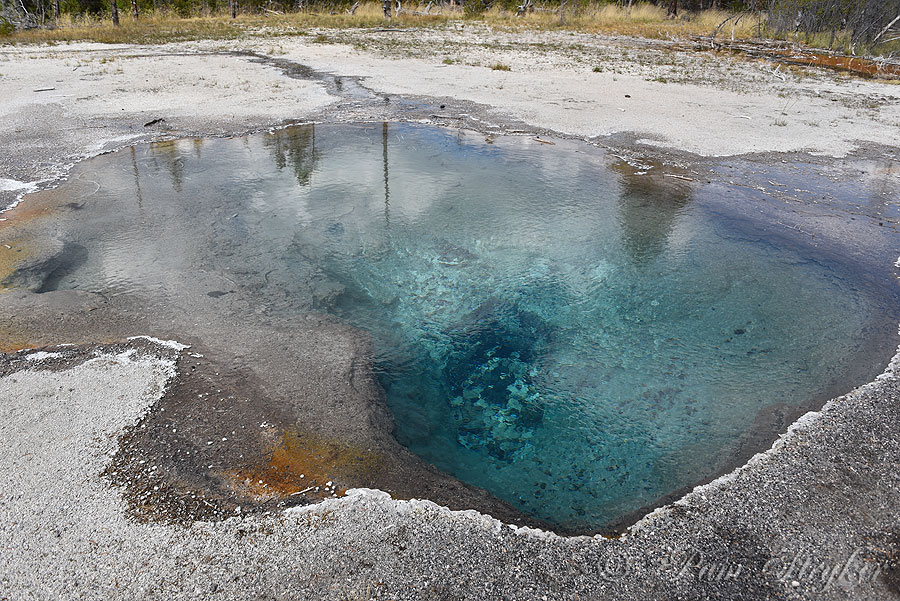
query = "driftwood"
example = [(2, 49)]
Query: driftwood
[(792, 53)]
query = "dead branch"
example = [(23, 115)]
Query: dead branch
[(25, 12), (737, 17), (885, 30)]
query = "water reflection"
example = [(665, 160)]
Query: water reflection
[(883, 186), (169, 154), (295, 147), (387, 190), (137, 180), (649, 207)]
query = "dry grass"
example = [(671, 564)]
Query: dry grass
[(645, 20), (150, 29), (641, 20), (166, 27)]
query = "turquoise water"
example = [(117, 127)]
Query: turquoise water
[(577, 339)]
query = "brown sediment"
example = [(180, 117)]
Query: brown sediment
[(216, 445), (305, 463), (13, 252), (33, 206), (12, 341), (17, 235)]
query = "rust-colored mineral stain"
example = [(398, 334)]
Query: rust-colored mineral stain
[(10, 342), (13, 252), (852, 64), (797, 55), (304, 463), (33, 206), (18, 234)]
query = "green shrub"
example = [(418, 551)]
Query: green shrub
[(6, 28)]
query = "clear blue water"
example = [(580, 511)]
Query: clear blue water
[(577, 339)]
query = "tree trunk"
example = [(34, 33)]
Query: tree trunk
[(234, 8), (673, 8), (114, 11), (56, 11), (386, 8), (134, 10)]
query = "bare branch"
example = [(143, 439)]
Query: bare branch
[(885, 30)]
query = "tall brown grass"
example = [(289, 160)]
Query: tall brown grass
[(646, 20)]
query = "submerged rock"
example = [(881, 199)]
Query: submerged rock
[(490, 371), (41, 268)]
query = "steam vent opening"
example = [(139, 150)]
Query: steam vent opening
[(578, 335)]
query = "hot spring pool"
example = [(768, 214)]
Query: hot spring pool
[(578, 339)]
